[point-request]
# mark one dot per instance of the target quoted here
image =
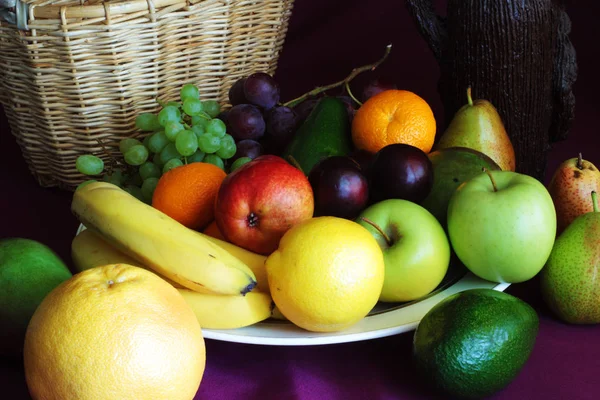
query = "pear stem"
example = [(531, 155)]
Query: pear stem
[(469, 98), (579, 162), (595, 201), (374, 225), (489, 173)]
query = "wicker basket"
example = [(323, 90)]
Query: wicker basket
[(74, 75)]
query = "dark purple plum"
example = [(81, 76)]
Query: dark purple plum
[(400, 171), (260, 89), (236, 93), (246, 122), (281, 124), (247, 148), (340, 189), (376, 86)]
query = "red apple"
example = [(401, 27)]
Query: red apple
[(258, 202)]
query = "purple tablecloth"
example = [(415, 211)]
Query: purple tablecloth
[(326, 39)]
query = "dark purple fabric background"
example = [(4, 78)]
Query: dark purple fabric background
[(326, 39)]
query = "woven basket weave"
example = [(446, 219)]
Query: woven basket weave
[(74, 75)]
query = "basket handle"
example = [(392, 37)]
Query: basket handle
[(14, 12)]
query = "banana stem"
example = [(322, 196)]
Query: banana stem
[(355, 72), (595, 201), (489, 173)]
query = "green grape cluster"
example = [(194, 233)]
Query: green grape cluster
[(179, 133)]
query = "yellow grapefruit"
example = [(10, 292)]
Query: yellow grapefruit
[(114, 332)]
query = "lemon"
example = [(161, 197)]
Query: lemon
[(327, 274)]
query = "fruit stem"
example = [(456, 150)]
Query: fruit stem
[(114, 163), (595, 201), (294, 162), (374, 225), (469, 98), (352, 95), (161, 103), (346, 80), (489, 173), (579, 162)]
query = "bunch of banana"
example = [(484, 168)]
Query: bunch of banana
[(220, 281)]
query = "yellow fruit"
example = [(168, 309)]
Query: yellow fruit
[(327, 274), (222, 311), (114, 332), (89, 250), (254, 261)]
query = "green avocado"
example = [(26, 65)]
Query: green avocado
[(324, 133), (473, 343), (29, 270)]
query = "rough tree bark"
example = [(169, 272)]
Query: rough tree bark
[(514, 53)]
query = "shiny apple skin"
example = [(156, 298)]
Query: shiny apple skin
[(260, 201)]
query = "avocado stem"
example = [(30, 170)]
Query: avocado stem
[(294, 162), (346, 80), (595, 201), (579, 162), (489, 173), (374, 225), (469, 98)]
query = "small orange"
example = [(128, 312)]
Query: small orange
[(213, 230), (187, 193), (394, 116)]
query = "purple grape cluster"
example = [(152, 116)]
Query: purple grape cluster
[(257, 120)]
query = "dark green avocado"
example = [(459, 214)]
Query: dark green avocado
[(474, 343), (324, 133)]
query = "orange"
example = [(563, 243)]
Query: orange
[(394, 116), (187, 193), (213, 230), (114, 332)]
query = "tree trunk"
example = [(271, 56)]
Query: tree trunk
[(514, 53)]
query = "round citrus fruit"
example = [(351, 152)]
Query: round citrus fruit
[(114, 332), (394, 116), (327, 274), (213, 230), (187, 193)]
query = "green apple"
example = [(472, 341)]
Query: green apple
[(502, 225), (415, 248)]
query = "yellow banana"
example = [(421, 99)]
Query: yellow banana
[(159, 242), (256, 262), (217, 311), (89, 250)]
